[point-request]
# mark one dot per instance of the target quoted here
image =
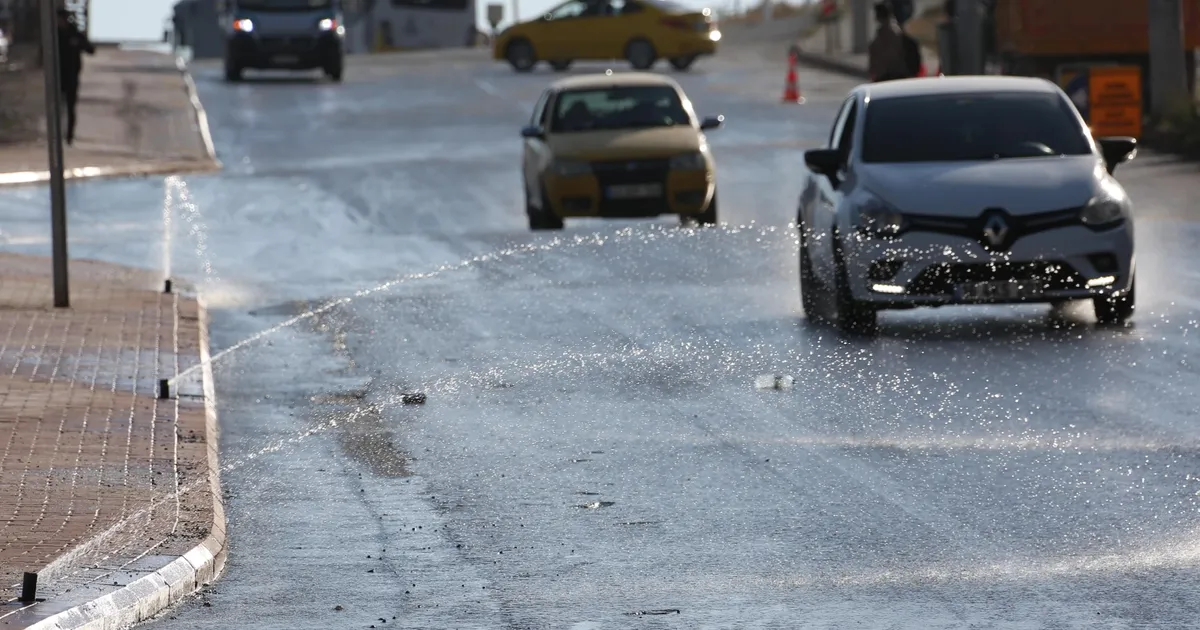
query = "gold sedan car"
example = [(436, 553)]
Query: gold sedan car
[(618, 146)]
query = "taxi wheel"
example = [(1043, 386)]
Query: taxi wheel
[(520, 55), (561, 66), (542, 219), (641, 54), (709, 216), (682, 63)]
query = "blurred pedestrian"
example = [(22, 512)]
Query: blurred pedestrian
[(886, 58), (72, 43)]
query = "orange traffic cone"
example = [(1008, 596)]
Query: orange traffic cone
[(791, 90)]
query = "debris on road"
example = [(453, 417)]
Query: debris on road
[(413, 399), (774, 381)]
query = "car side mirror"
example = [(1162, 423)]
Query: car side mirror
[(533, 131), (824, 162), (1117, 150), (712, 122)]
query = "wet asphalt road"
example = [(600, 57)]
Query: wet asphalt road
[(593, 452)]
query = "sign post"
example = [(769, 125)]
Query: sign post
[(495, 15), (54, 145)]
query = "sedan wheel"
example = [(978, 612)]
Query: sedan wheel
[(853, 317), (811, 290), (1115, 310)]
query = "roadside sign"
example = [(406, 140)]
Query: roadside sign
[(1115, 100), (1109, 97), (495, 14)]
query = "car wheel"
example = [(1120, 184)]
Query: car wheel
[(810, 288), (561, 65), (1115, 309), (520, 55), (542, 219), (233, 73), (641, 54), (682, 63), (709, 216), (853, 317), (334, 72)]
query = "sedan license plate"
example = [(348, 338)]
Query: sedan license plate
[(1003, 290), (284, 59), (635, 191)]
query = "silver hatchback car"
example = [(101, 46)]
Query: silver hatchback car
[(965, 190)]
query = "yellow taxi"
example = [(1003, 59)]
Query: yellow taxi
[(617, 145), (640, 31)]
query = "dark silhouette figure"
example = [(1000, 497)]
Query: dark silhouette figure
[(71, 45)]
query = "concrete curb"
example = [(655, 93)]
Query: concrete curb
[(148, 596), (201, 114)]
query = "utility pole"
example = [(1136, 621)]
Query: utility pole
[(860, 26), (1168, 69), (54, 144), (968, 29)]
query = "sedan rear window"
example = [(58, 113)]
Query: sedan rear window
[(961, 127), (623, 107)]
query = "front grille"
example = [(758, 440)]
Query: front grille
[(278, 44), (622, 172), (974, 228), (940, 280)]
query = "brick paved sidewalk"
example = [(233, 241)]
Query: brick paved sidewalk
[(86, 445), (135, 114)]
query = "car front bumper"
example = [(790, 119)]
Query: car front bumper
[(288, 52), (926, 269), (592, 195)]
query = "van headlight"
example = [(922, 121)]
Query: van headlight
[(877, 218), (693, 161), (1102, 213), (570, 168)]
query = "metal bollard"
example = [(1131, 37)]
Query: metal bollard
[(29, 588)]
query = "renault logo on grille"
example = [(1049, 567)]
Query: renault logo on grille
[(995, 230)]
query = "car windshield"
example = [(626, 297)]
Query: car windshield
[(628, 107), (961, 127), (668, 6), (285, 5)]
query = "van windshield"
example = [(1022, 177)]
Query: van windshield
[(285, 5)]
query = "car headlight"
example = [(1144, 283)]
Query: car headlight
[(569, 168), (244, 25), (327, 24), (1102, 213), (689, 162), (879, 219)]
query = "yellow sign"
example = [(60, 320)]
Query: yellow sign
[(1115, 100)]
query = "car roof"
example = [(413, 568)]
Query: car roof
[(616, 79), (956, 85)]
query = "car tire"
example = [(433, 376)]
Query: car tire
[(541, 219), (812, 291), (233, 72), (561, 65), (521, 55), (710, 216), (682, 64), (1116, 309), (641, 54), (853, 317), (334, 72)]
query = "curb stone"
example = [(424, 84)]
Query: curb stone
[(148, 596)]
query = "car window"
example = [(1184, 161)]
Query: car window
[(628, 7), (625, 107), (547, 109), (960, 127), (540, 109), (668, 7), (568, 10), (846, 139), (835, 133)]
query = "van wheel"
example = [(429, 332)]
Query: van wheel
[(561, 65), (682, 63), (641, 54), (520, 55)]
